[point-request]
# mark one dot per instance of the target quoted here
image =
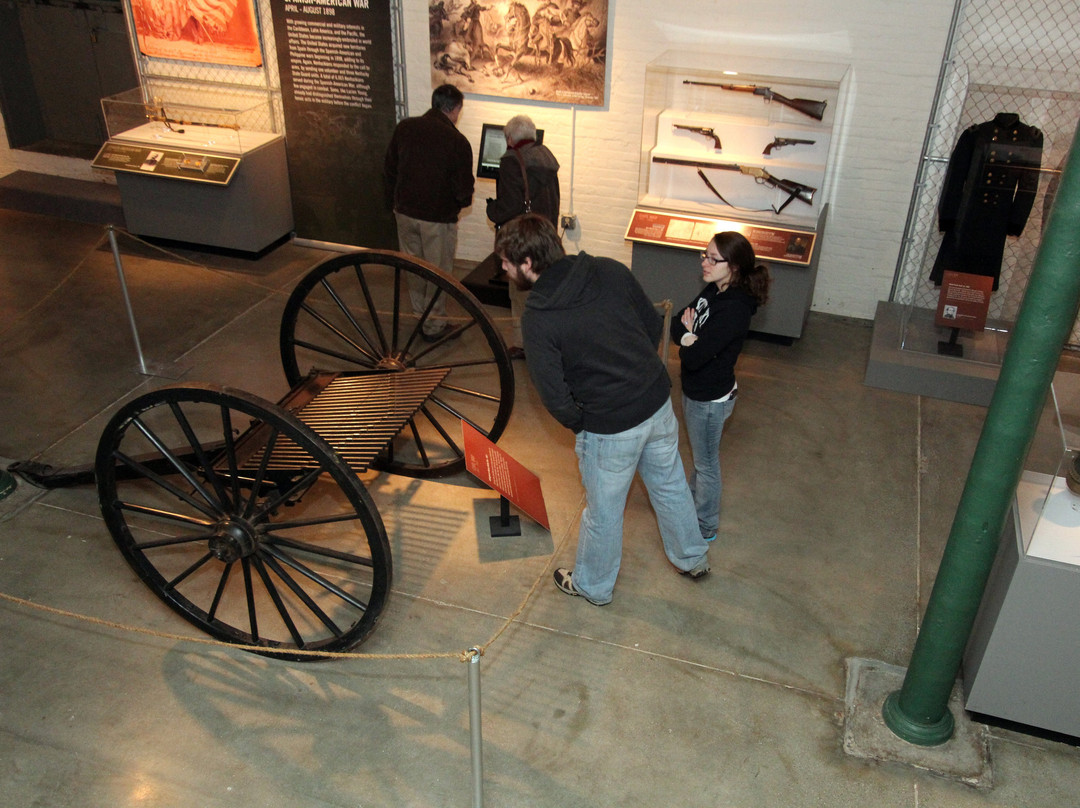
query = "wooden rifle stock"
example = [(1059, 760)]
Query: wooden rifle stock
[(807, 106)]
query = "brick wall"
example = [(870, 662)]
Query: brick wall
[(894, 51)]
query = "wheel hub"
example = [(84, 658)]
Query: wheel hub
[(232, 540), (396, 362)]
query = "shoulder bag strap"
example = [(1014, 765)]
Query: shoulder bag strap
[(524, 179)]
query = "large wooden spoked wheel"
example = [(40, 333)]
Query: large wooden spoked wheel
[(243, 520), (355, 313)]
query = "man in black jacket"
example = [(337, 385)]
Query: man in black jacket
[(591, 335), (428, 180)]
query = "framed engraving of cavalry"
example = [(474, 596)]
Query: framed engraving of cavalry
[(540, 50)]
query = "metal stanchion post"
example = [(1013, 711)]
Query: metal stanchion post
[(127, 300), (475, 730)]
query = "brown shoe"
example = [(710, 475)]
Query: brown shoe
[(516, 352)]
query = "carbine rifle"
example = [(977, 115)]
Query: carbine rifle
[(815, 109), (794, 190)]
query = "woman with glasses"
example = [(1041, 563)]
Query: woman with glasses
[(710, 333)]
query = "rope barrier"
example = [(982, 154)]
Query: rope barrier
[(462, 656), (225, 274)]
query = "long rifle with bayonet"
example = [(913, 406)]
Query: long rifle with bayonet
[(807, 106), (794, 190)]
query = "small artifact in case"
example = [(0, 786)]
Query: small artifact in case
[(194, 162)]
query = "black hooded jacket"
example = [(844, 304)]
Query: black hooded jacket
[(591, 335)]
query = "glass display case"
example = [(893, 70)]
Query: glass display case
[(136, 116), (736, 143), (1022, 662), (197, 173), (739, 137), (1048, 496)]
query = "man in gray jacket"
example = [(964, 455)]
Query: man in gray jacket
[(591, 335), (528, 182)]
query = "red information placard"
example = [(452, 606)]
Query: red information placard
[(788, 245), (964, 301), (491, 465)]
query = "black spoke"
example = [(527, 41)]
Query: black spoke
[(169, 455), (367, 291), (320, 580), (295, 558), (173, 540), (337, 332), (373, 349), (222, 581), (196, 566), (153, 476), (275, 596), (271, 562), (260, 474), (200, 455), (317, 550), (158, 513)]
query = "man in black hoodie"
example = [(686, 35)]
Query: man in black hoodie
[(591, 335)]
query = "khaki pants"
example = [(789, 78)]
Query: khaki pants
[(436, 243)]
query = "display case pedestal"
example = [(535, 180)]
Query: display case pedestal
[(672, 271), (1022, 661), (249, 214)]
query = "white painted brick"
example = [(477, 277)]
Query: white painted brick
[(893, 47)]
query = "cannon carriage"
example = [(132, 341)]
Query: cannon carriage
[(248, 517)]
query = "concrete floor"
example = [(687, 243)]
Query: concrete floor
[(725, 692)]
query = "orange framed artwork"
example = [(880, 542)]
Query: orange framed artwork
[(215, 31)]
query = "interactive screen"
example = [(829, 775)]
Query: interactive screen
[(492, 148)]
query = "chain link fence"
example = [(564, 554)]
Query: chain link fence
[(1022, 58)]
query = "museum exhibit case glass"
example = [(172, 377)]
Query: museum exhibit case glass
[(993, 180), (210, 175), (736, 143), (1022, 661)]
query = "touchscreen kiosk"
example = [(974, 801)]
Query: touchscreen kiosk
[(492, 148)]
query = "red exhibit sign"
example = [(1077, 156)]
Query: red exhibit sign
[(786, 244), (491, 465), (964, 301)]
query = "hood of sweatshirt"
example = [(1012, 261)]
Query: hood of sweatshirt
[(569, 283)]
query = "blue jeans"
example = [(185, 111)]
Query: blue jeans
[(704, 425), (607, 464)]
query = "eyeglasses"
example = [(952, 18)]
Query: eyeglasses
[(712, 261)]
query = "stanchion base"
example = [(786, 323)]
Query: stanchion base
[(162, 370), (8, 484), (950, 348), (911, 731), (511, 527)]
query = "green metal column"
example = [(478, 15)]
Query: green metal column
[(919, 711)]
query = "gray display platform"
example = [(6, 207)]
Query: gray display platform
[(250, 213), (923, 372), (1022, 662)]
